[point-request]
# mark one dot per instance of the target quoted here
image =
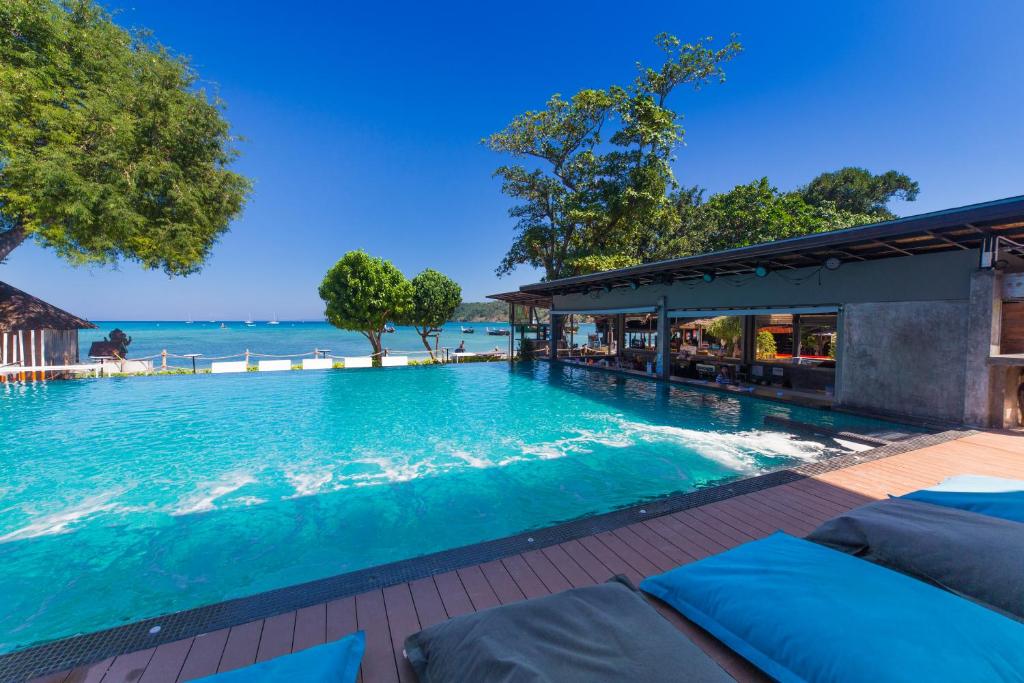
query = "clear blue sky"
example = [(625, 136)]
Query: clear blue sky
[(362, 124)]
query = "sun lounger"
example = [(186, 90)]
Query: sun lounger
[(803, 612), (275, 365), (228, 366), (394, 361), (317, 363), (993, 496), (337, 662), (597, 634), (975, 556), (357, 362)]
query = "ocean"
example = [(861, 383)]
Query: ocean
[(289, 337)]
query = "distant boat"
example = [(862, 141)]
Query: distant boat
[(189, 321), (223, 326), (388, 329), (249, 322), (498, 331), (468, 330), (274, 321)]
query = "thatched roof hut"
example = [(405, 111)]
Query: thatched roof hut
[(34, 333)]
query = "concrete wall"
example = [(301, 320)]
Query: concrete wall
[(904, 358), (933, 277)]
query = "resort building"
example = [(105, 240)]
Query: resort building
[(35, 336), (919, 317)]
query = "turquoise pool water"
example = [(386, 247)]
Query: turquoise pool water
[(127, 498)]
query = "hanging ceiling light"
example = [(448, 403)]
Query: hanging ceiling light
[(708, 277), (761, 271), (832, 263)]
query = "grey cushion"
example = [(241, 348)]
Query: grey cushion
[(599, 633), (976, 556)]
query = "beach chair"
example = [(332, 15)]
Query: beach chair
[(317, 363), (357, 362), (275, 365), (222, 367), (394, 361), (802, 612)]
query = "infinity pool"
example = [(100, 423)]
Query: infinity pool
[(128, 498)]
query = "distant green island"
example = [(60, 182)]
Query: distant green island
[(481, 312)]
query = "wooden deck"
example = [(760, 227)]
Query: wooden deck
[(388, 615)]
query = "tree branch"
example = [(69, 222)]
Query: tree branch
[(11, 240)]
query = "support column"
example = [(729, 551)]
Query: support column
[(982, 407), (797, 338), (620, 334), (663, 347), (748, 341), (556, 335), (511, 331)]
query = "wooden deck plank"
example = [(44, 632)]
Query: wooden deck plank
[(453, 594), (56, 677), (758, 521), (204, 656), (720, 526), (529, 583), (554, 581), (612, 560), (310, 627), (504, 587), (240, 650), (402, 622), (715, 541), (568, 567), (167, 661), (631, 538), (479, 590), (128, 668), (89, 673), (596, 569), (429, 606), (340, 617), (673, 535), (379, 657), (277, 637), (735, 518), (673, 552)]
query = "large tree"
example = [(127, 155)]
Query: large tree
[(857, 190), (108, 149), (363, 293), (434, 300), (598, 165), (751, 214)]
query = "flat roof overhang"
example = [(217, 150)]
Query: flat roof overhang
[(521, 298), (963, 228)]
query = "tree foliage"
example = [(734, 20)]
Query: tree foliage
[(857, 190), (765, 345), (599, 162), (749, 214), (108, 149), (434, 300), (363, 293), (727, 329)]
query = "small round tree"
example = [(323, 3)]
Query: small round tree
[(765, 345), (363, 293), (434, 299)]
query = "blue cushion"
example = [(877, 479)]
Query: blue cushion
[(992, 496), (336, 662), (802, 612)]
